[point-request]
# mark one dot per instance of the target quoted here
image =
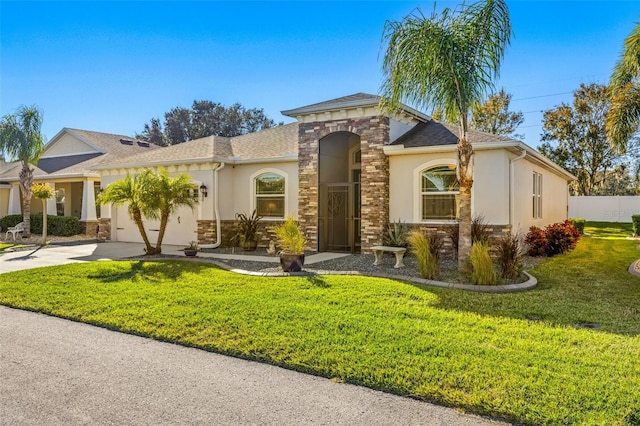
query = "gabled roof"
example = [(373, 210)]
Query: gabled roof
[(102, 147), (433, 133), (351, 101), (274, 143)]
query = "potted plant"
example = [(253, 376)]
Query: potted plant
[(191, 249), (292, 243), (247, 230)]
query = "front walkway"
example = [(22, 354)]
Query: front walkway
[(60, 254)]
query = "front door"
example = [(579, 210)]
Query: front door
[(340, 218)]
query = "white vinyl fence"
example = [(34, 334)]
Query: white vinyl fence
[(605, 209)]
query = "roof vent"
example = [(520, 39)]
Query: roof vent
[(126, 142), (143, 144)]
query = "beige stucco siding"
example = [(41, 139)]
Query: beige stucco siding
[(4, 201), (68, 145), (490, 189), (238, 197), (555, 196)]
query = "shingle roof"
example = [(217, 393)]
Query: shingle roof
[(433, 133), (357, 99), (107, 143), (269, 143)]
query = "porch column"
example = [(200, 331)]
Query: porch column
[(52, 209), (14, 199), (88, 202)]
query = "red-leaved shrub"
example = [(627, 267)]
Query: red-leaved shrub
[(536, 241), (554, 239)]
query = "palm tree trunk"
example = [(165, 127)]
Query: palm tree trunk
[(26, 181), (137, 218), (465, 179), (164, 218)]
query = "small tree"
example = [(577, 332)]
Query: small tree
[(43, 191), (150, 195)]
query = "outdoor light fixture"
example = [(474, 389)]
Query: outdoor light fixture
[(203, 191)]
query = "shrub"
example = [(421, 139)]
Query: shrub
[(554, 239), (635, 219), (396, 235), (561, 237), (578, 222), (480, 231), (509, 256), (427, 262), (435, 245), (482, 272), (60, 226), (536, 241), (453, 232), (290, 237)]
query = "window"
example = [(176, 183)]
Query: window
[(537, 195), (60, 202), (269, 189), (440, 193)]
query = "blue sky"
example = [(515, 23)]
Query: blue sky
[(112, 66)]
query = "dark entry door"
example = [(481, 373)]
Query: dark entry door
[(340, 221)]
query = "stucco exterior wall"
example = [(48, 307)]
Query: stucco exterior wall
[(4, 201), (490, 187), (555, 196)]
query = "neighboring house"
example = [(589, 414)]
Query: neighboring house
[(65, 165), (345, 171)]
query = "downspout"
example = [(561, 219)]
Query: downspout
[(216, 210), (512, 185)]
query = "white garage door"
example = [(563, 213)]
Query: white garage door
[(181, 229)]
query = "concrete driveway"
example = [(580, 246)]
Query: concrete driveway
[(73, 253)]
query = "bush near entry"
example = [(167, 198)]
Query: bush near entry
[(59, 226)]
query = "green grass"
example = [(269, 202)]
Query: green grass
[(516, 356), (613, 230), (3, 246)]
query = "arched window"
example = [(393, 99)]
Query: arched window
[(439, 190), (270, 191)]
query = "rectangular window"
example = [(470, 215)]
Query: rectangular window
[(537, 195), (60, 202), (269, 189), (440, 206)]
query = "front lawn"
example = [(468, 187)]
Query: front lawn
[(518, 356)]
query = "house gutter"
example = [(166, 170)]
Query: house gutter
[(216, 210), (512, 186)]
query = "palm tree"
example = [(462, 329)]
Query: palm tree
[(447, 62), (21, 139), (623, 119), (150, 195), (173, 193)]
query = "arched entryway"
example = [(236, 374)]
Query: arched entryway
[(339, 198)]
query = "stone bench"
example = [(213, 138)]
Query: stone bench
[(398, 251)]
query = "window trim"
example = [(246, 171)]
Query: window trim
[(417, 185), (253, 196)]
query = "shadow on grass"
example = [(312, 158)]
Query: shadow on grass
[(317, 281), (149, 271)]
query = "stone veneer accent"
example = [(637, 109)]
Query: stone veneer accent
[(89, 227), (104, 229), (207, 232), (374, 134), (448, 249)]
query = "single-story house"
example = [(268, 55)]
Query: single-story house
[(345, 171), (66, 165)]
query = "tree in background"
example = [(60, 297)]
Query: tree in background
[(205, 118), (151, 195), (447, 62), (582, 146), (493, 116), (21, 139), (624, 117)]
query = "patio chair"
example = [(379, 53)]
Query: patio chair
[(14, 230)]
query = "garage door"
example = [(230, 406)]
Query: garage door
[(181, 229)]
